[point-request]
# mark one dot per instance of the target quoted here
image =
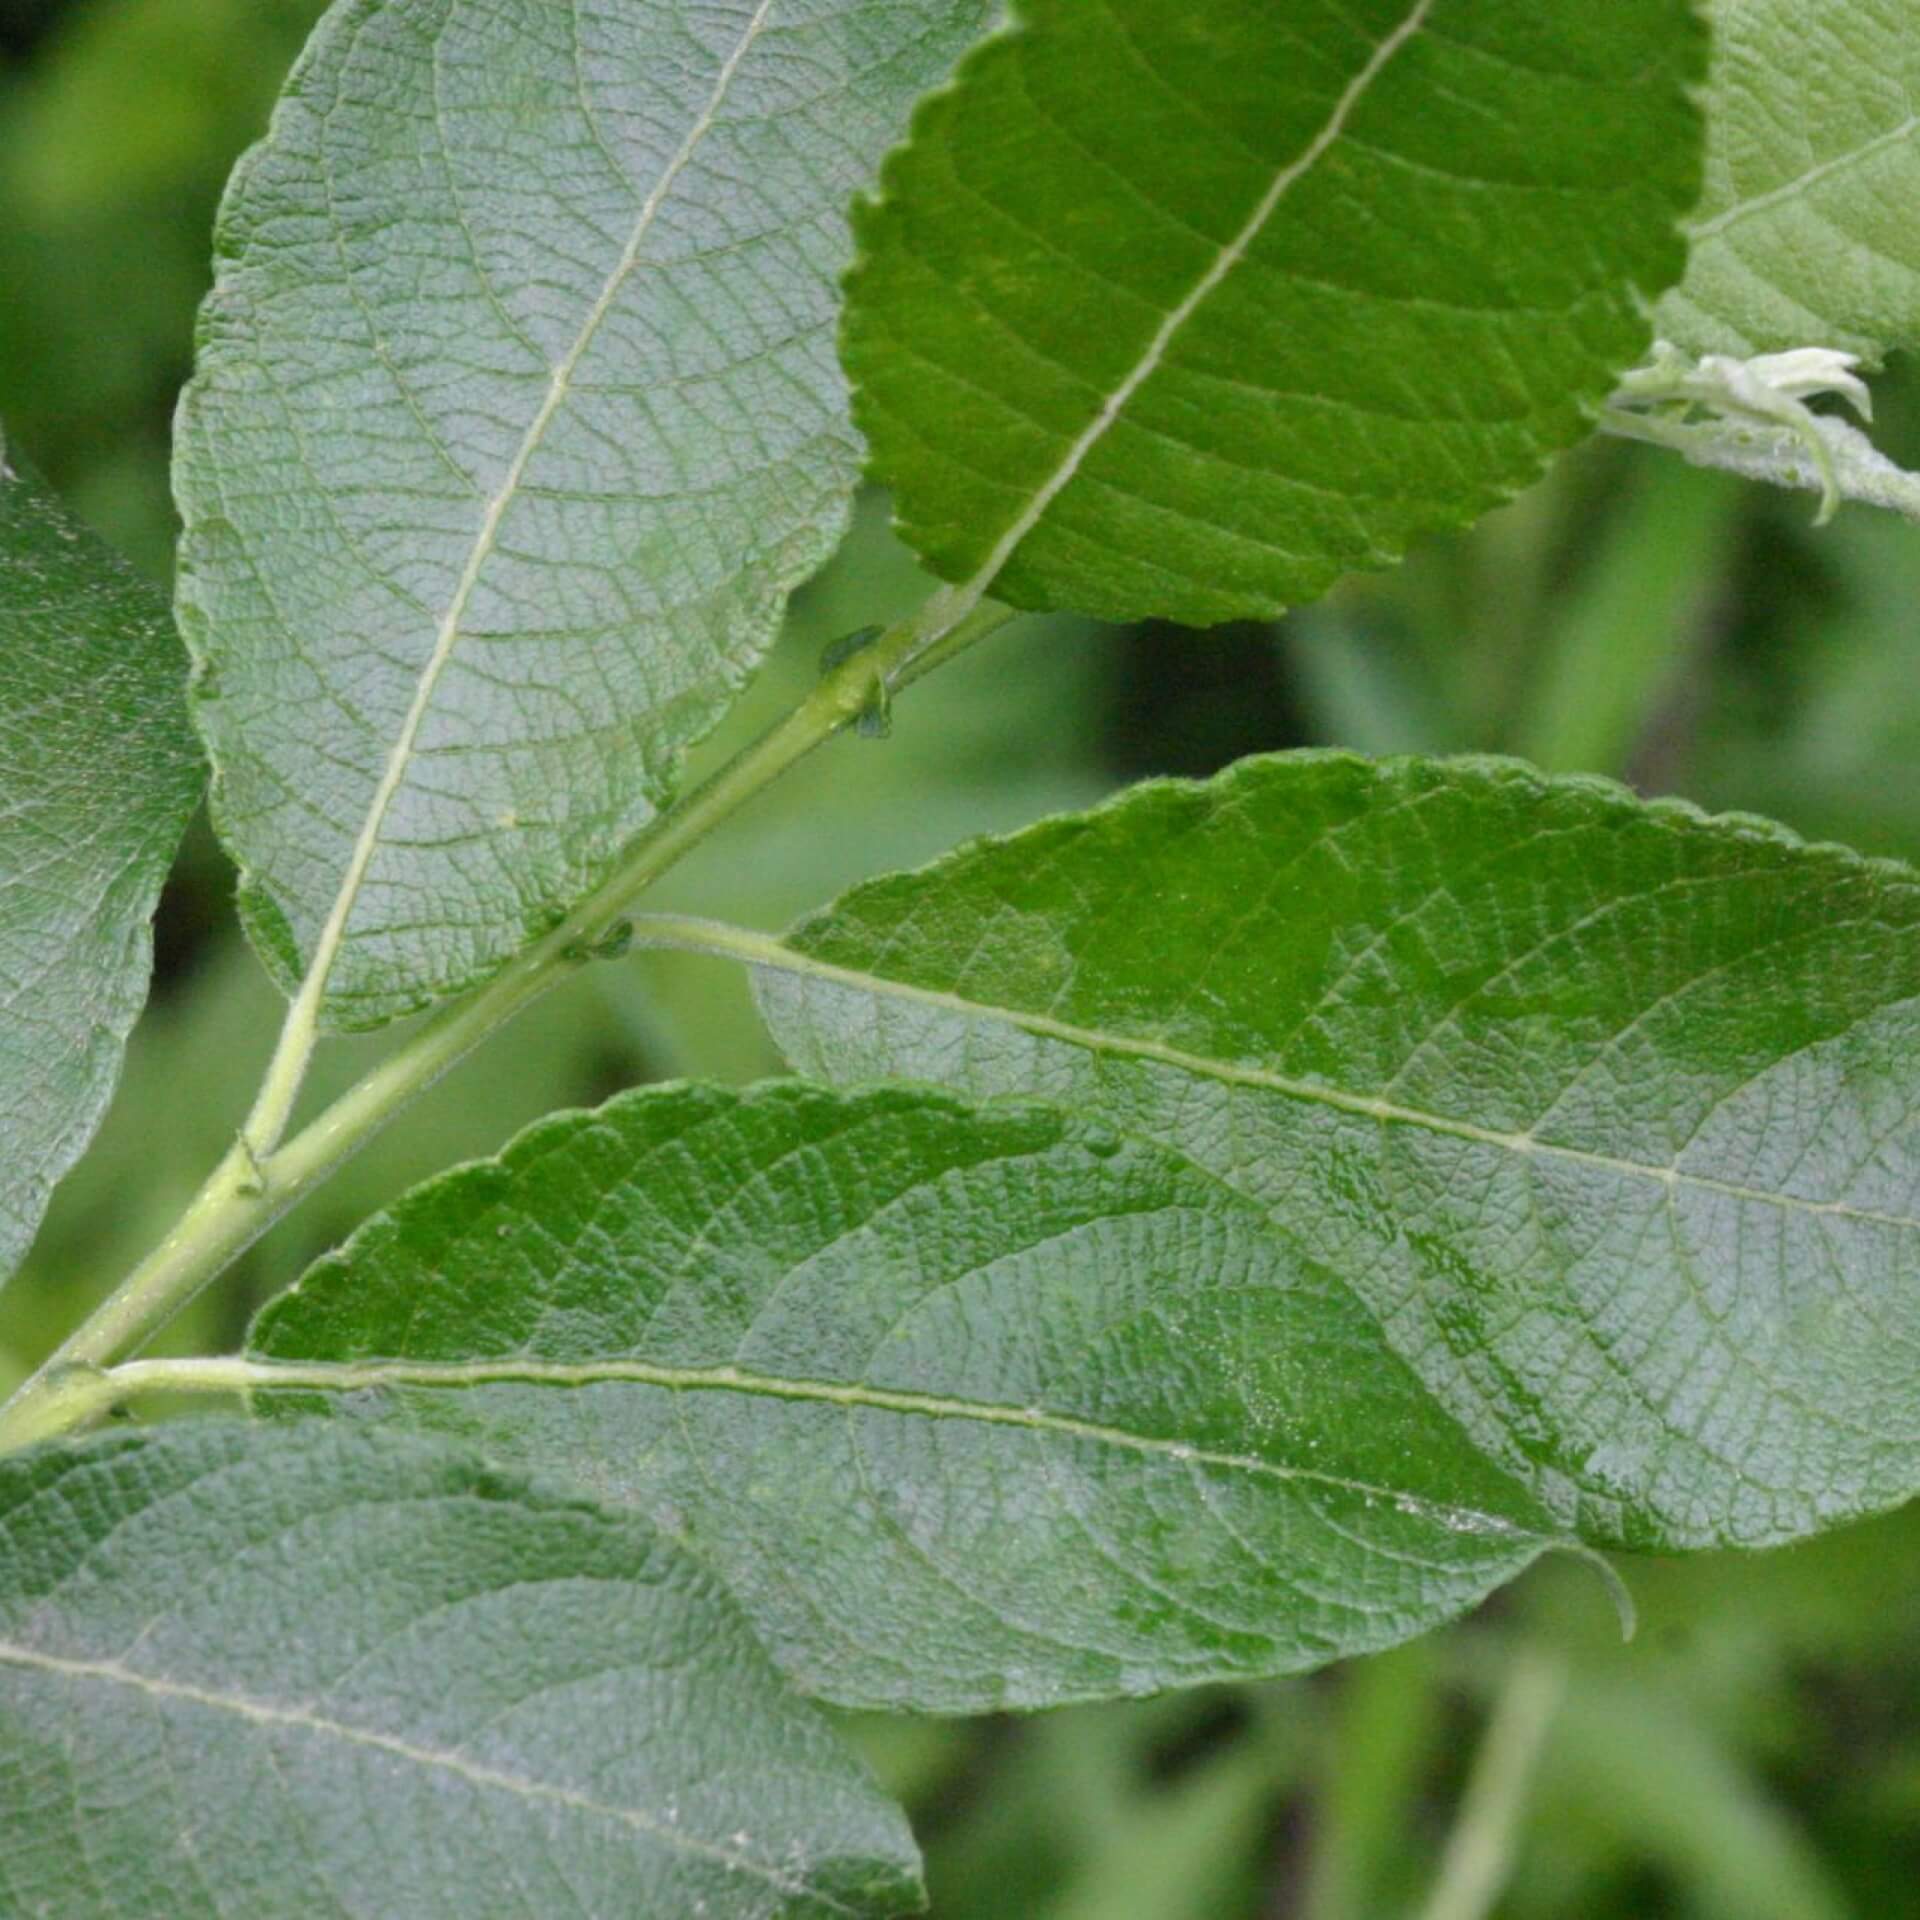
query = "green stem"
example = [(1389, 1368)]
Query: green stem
[(249, 1191), (1479, 1855)]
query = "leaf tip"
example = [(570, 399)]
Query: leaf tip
[(1612, 1581)]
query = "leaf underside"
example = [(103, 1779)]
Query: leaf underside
[(1805, 234), (516, 418), (1188, 310), (969, 1408), (1603, 1110), (315, 1671), (98, 773)]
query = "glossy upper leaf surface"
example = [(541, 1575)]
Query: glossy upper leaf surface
[(1605, 1110), (1187, 310), (1805, 235), (970, 1408), (516, 418), (98, 773), (314, 1671)]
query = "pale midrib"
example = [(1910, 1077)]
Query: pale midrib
[(759, 950), (263, 1713), (307, 1003), (1804, 183), (1225, 262), (249, 1376)]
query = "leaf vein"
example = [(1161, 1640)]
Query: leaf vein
[(305, 1012), (1789, 190), (1225, 262), (270, 1715), (856, 1397), (758, 950)]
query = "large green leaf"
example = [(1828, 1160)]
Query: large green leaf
[(1186, 310), (318, 1672), (516, 418), (971, 1408), (1607, 1111), (98, 772), (1805, 235)]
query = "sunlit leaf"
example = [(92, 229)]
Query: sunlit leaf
[(1186, 310)]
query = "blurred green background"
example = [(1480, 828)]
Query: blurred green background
[(1755, 1753)]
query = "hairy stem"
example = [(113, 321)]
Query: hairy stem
[(1832, 457), (251, 1189)]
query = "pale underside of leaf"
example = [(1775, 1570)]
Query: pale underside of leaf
[(779, 958), (113, 1675), (515, 422), (306, 1671), (967, 1408), (98, 774), (1603, 1109), (1185, 311), (1804, 235)]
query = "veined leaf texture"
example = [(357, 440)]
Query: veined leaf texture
[(516, 418)]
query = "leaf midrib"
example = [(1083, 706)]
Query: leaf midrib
[(759, 950), (333, 932), (255, 1376), (1802, 183), (267, 1713), (964, 598)]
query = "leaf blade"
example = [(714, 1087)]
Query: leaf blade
[(1061, 329), (1433, 1016), (99, 769), (407, 1673), (515, 422), (1797, 239), (904, 1373)]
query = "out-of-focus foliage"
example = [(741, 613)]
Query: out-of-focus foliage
[(1755, 1753), (118, 122)]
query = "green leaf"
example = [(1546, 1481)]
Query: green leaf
[(324, 1672), (1188, 310), (98, 771), (1804, 236), (970, 1408), (515, 421), (1605, 1110)]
